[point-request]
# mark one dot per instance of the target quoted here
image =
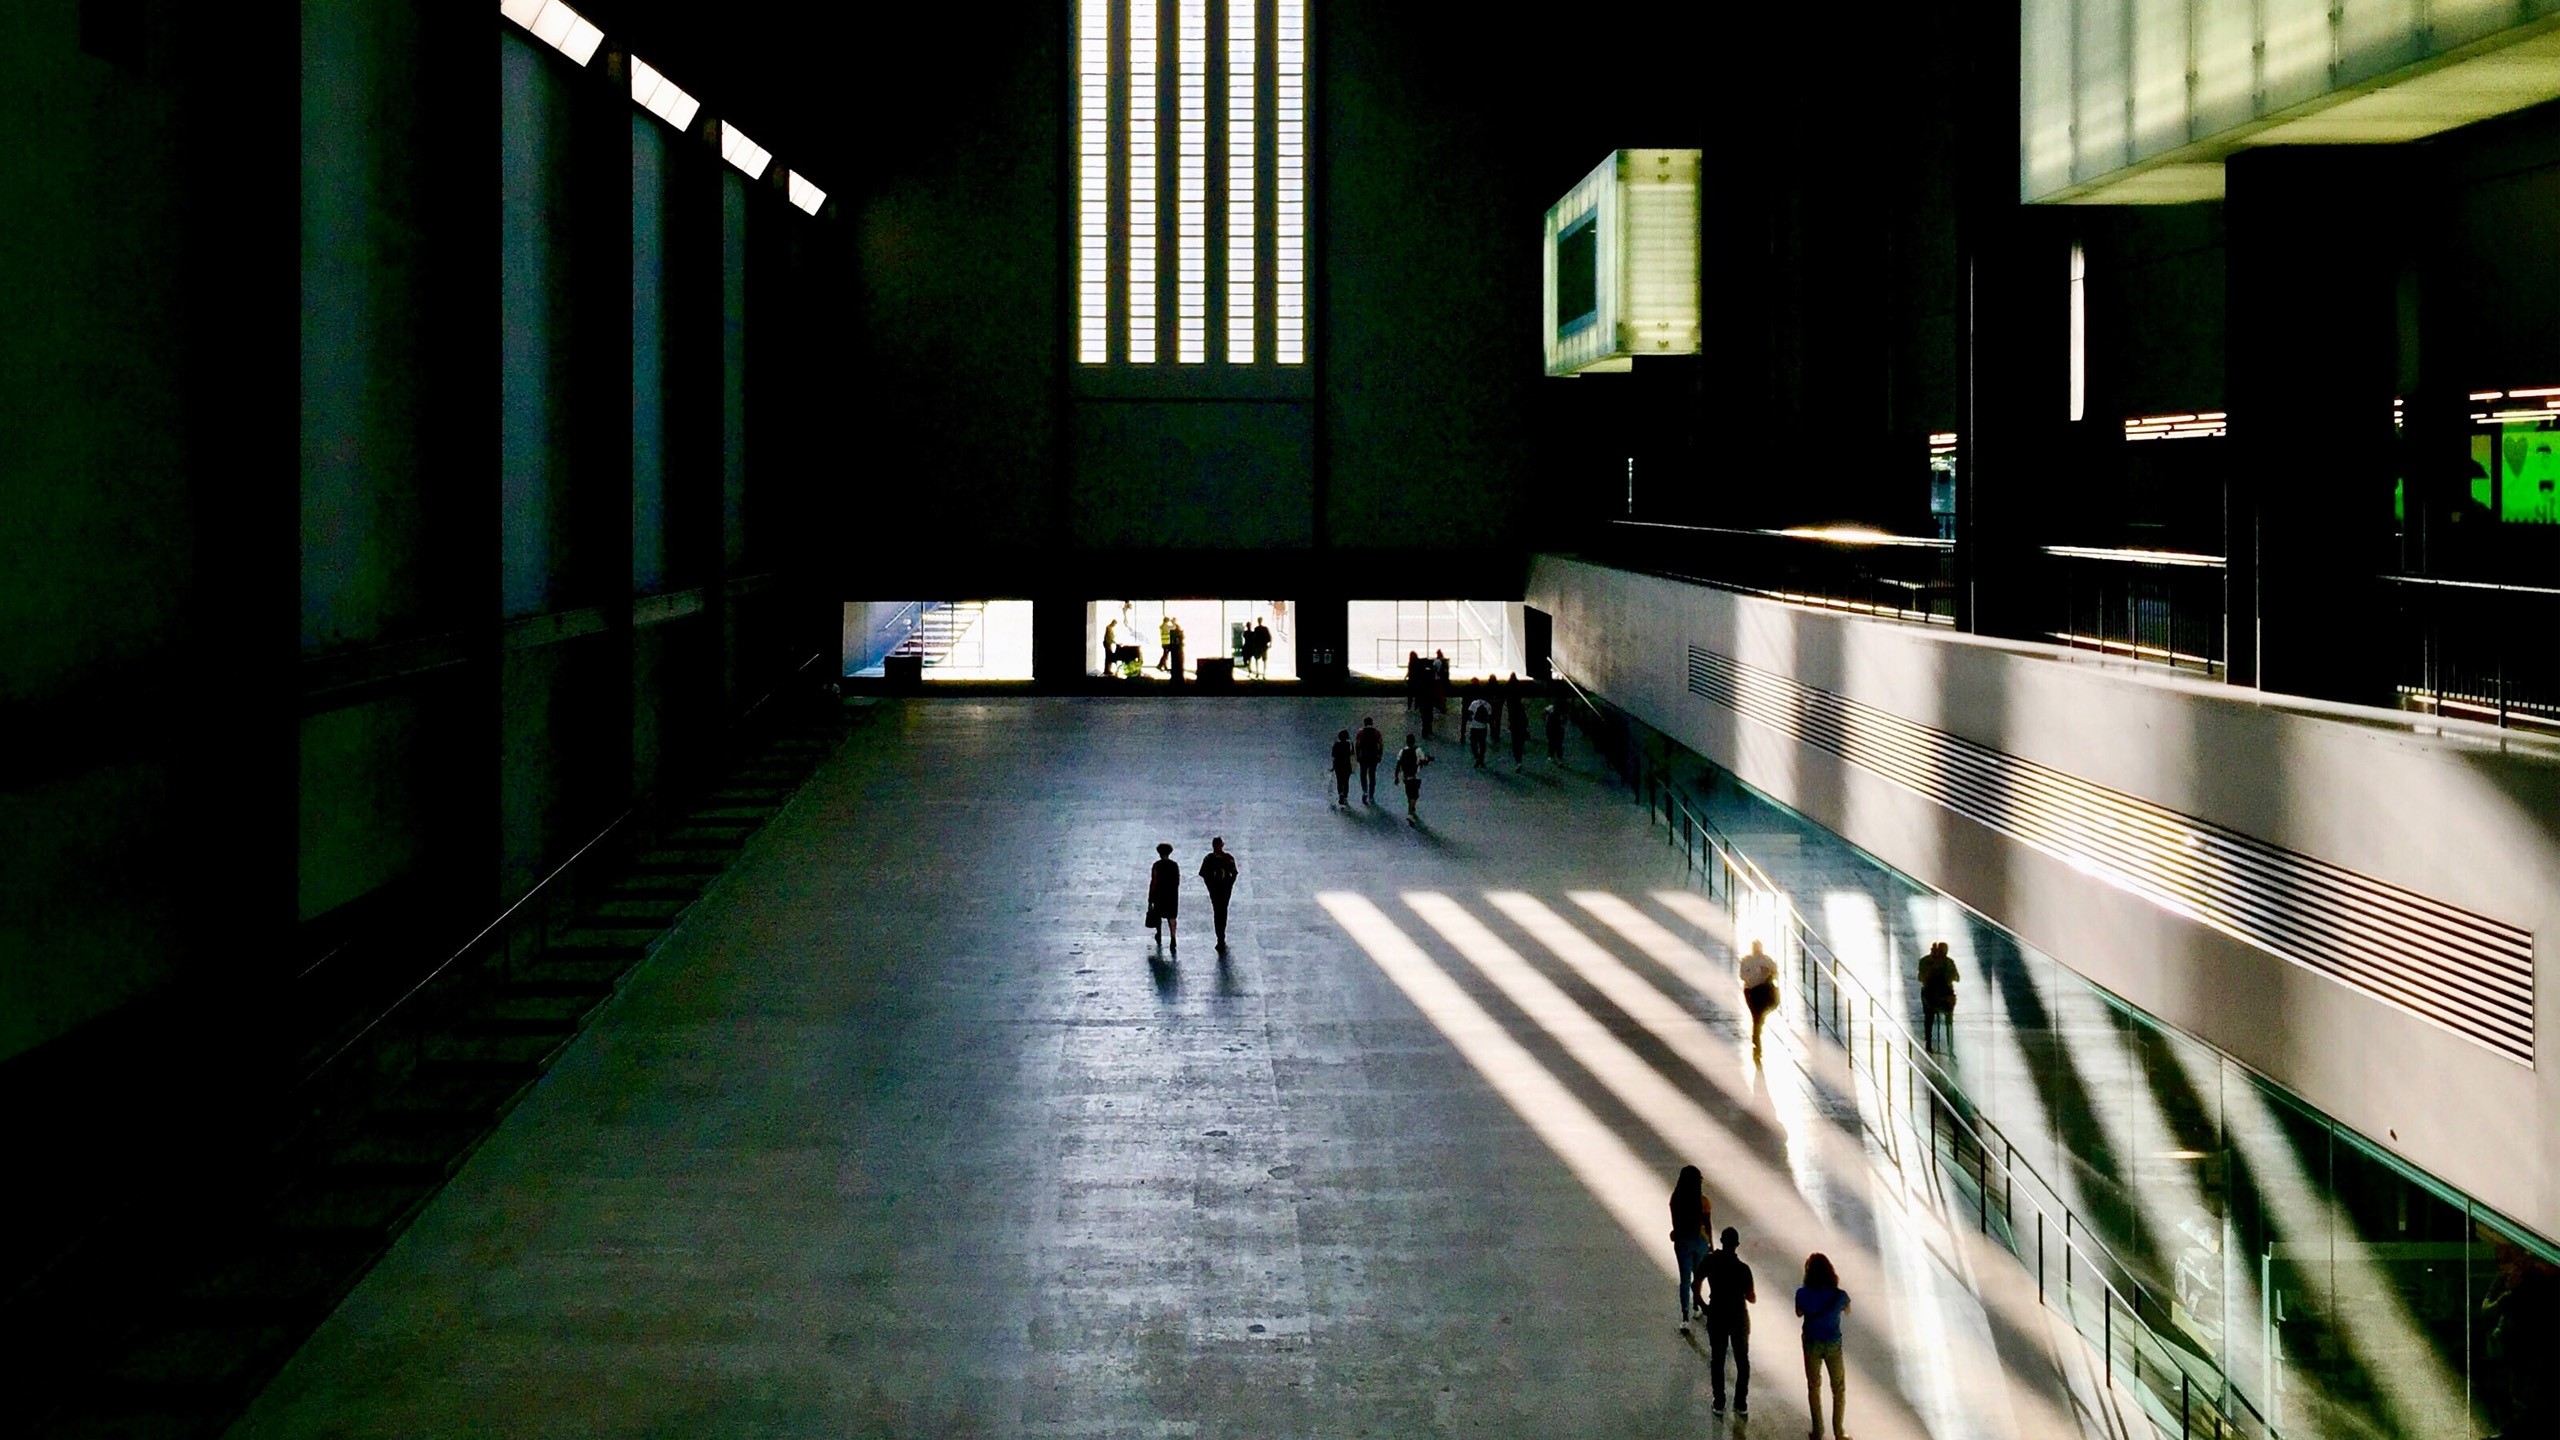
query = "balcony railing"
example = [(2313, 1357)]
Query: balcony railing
[(2164, 606), (1837, 567), (2478, 650)]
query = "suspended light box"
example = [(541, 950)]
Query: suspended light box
[(1622, 263)]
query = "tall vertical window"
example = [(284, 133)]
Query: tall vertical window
[(1289, 241), (1225, 83), (2079, 333), (1093, 185), (1243, 179), (1192, 316), (1141, 262)]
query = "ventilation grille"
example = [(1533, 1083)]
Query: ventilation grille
[(2467, 973)]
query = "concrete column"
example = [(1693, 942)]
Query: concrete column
[(2315, 246)]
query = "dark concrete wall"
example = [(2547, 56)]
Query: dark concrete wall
[(380, 517)]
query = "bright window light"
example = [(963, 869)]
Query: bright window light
[(1143, 40), (562, 28), (1093, 183), (803, 194), (1191, 329), (661, 96), (2079, 332), (1242, 180), (1289, 191), (742, 152)]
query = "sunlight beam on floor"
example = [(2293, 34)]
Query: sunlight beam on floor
[(1604, 1164)]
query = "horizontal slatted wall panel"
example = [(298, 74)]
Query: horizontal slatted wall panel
[(2465, 972)]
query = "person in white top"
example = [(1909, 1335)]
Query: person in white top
[(1759, 975)]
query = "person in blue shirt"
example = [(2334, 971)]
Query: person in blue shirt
[(1822, 1303)]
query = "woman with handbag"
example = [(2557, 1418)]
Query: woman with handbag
[(1164, 895)]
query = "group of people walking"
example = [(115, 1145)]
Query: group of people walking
[(1364, 752), (1164, 891), (1717, 1290)]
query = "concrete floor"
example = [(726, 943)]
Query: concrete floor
[(909, 1130)]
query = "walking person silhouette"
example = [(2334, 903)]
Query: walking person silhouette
[(1164, 895), (1218, 873)]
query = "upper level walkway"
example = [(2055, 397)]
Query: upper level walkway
[(909, 1129)]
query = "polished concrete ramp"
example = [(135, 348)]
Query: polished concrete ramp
[(909, 1130)]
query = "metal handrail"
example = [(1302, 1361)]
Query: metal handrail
[(1818, 956), (542, 891), (2231, 1412)]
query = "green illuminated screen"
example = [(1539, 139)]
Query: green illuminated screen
[(2526, 488)]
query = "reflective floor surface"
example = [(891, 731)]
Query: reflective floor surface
[(911, 1130)]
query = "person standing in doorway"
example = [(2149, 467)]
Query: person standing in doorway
[(1479, 727), (1938, 979), (1409, 763), (1261, 649), (1173, 650), (1689, 1221), (1823, 1303), (1494, 692), (1218, 873), (1759, 976), (1729, 1294), (1440, 682), (1342, 767), (1369, 747), (1517, 706), (1164, 639), (1555, 731), (1164, 895)]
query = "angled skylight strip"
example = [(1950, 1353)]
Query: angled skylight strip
[(556, 25), (803, 194), (742, 152), (661, 96)]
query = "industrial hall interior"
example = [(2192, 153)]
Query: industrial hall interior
[(1280, 718)]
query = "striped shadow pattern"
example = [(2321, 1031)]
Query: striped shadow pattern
[(2462, 971)]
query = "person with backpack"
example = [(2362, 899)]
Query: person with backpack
[(1479, 727), (1409, 763), (1823, 1304)]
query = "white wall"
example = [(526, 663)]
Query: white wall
[(2458, 813)]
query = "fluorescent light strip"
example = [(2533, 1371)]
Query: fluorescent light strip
[(1143, 40), (1241, 44), (1093, 182), (1191, 166), (660, 96), (2079, 332), (742, 152), (803, 194), (1289, 188), (558, 26)]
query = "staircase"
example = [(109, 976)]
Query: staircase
[(178, 1314), (948, 633)]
